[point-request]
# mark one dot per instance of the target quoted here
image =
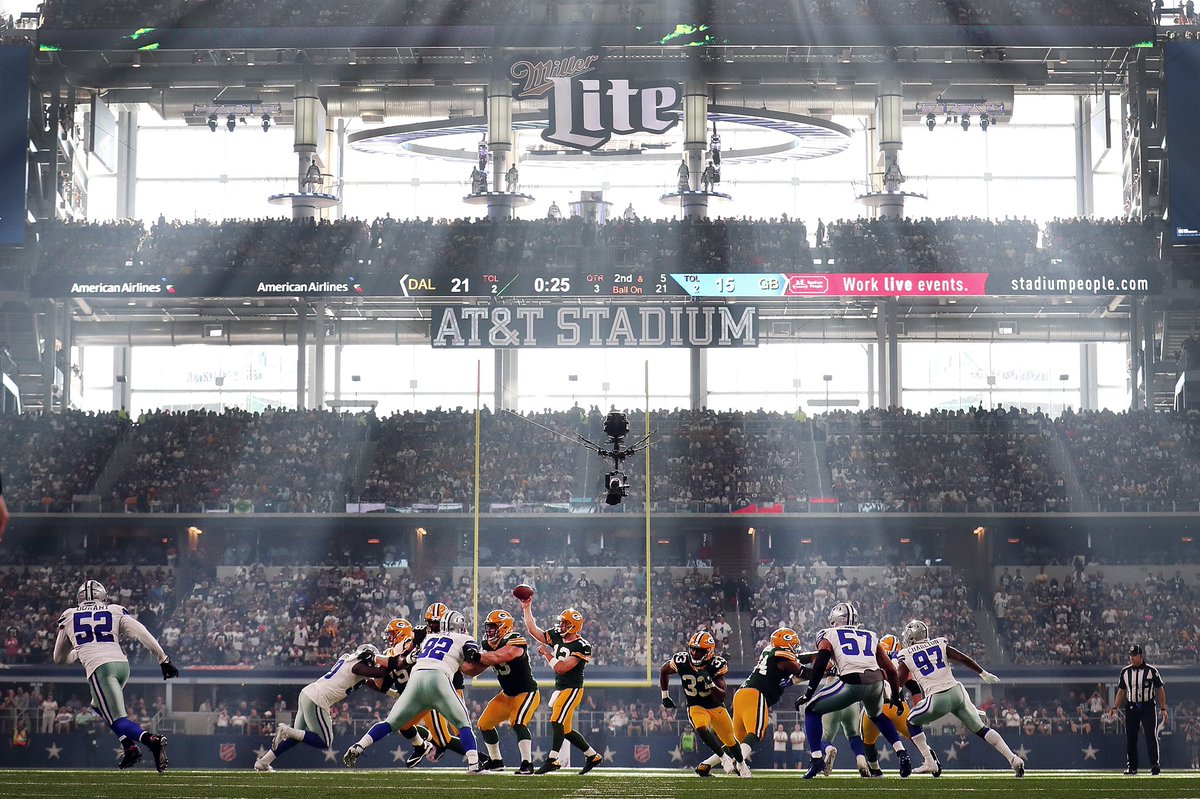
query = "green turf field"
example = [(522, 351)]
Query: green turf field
[(618, 784)]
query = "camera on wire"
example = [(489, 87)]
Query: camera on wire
[(616, 426), (616, 487)]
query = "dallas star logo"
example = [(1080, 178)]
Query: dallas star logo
[(260, 751), (53, 749), (1089, 753), (539, 753), (951, 754), (398, 754), (330, 756), (609, 754), (884, 755), (677, 754), (1022, 753)]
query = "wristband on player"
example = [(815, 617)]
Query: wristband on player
[(666, 694)]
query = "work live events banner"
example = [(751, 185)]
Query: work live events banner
[(14, 143), (940, 284)]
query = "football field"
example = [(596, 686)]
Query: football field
[(601, 784)]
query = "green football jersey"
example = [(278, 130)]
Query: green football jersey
[(580, 648)]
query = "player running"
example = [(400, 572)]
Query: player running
[(862, 668), (518, 698), (314, 721), (777, 665), (703, 676), (91, 633), (925, 669), (430, 687), (567, 653), (899, 717)]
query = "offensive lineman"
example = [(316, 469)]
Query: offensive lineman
[(762, 688), (862, 668), (567, 653), (90, 633), (314, 723), (703, 676), (925, 669), (518, 698), (430, 687)]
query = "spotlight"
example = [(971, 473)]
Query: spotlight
[(947, 121), (231, 123), (966, 121), (985, 121), (266, 122), (930, 121), (212, 122)]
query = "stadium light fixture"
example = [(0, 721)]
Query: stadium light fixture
[(231, 123), (212, 122), (985, 121), (266, 122), (966, 121), (930, 121)]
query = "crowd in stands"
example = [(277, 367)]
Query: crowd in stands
[(284, 248), (1082, 618), (1136, 459), (998, 460), (47, 460), (349, 13)]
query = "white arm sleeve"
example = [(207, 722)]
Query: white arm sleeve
[(133, 627), (64, 650)]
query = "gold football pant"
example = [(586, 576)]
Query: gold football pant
[(870, 732), (563, 704), (715, 718), (516, 710), (751, 716)]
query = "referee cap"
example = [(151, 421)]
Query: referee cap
[(1136, 649)]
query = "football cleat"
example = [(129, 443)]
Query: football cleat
[(785, 638), (727, 764), (815, 767), (352, 754), (864, 769), (157, 744), (282, 733), (418, 754), (570, 622), (930, 766), (476, 767), (743, 770), (261, 766), (875, 770), (526, 769), (905, 763), (548, 766), (493, 764), (703, 770), (1018, 767), (844, 614), (591, 763), (437, 754), (130, 756), (1155, 770), (1129, 772), (830, 754)]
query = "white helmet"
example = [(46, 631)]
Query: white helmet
[(453, 622), (915, 630), (844, 614), (91, 591), (366, 653)]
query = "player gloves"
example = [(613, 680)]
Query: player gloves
[(169, 671), (471, 654), (988, 677), (667, 700), (803, 700)]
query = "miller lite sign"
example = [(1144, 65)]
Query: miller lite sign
[(587, 108)]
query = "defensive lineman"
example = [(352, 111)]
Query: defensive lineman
[(862, 668), (925, 669), (430, 687), (90, 633), (314, 723)]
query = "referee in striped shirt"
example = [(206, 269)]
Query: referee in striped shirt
[(1138, 687)]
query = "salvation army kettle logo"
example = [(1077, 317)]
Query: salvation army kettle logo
[(586, 112)]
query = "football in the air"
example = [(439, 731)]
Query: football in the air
[(523, 591)]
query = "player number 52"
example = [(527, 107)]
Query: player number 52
[(93, 625)]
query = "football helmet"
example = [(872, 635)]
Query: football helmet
[(433, 616), (890, 644), (397, 632), (91, 591), (570, 622), (453, 622), (498, 624), (702, 647), (844, 614), (366, 653), (785, 638), (915, 630)]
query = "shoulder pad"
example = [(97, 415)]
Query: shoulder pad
[(118, 610), (786, 655), (514, 639)]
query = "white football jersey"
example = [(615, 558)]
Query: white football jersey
[(853, 649), (443, 652), (94, 630), (928, 664), (335, 684)]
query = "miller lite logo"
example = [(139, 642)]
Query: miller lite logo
[(228, 752), (585, 112), (641, 753)]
